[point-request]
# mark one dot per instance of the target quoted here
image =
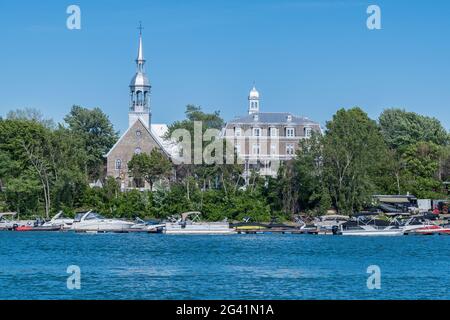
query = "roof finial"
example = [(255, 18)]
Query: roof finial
[(140, 28)]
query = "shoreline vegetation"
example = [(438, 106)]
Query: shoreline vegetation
[(47, 167)]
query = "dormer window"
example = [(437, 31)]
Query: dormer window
[(308, 132), (256, 117), (290, 132), (289, 118)]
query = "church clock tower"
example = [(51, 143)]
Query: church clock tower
[(140, 91)]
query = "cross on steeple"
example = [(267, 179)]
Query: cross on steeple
[(140, 28)]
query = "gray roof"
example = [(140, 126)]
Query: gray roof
[(273, 117)]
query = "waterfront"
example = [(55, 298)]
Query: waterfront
[(143, 266)]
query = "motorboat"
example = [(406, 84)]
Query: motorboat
[(429, 231), (247, 225), (36, 225), (368, 227), (59, 221), (29, 228), (190, 223), (7, 224), (146, 226), (93, 222), (415, 223), (306, 227), (326, 223)]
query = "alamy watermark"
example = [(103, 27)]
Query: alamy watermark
[(374, 280), (374, 20), (74, 20), (74, 280), (213, 146)]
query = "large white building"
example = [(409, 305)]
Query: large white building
[(263, 139)]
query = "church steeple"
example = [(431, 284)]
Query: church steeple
[(140, 90)]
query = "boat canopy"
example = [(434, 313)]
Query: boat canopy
[(185, 215), (334, 217), (395, 198), (12, 214)]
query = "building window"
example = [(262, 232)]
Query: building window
[(256, 117), (118, 164), (138, 133), (237, 148), (137, 150), (308, 132), (289, 118), (255, 149), (256, 132), (273, 132), (290, 132), (289, 149), (273, 149), (237, 131)]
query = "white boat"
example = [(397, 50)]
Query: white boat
[(94, 222), (194, 226), (371, 227), (60, 221), (416, 223), (326, 223), (143, 226), (7, 224)]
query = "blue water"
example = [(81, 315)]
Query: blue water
[(143, 266)]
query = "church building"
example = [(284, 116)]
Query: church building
[(141, 135), (262, 139)]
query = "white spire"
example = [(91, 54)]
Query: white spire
[(140, 57), (140, 61)]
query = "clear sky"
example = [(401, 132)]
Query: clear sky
[(306, 57)]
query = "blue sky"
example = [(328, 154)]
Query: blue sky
[(306, 57)]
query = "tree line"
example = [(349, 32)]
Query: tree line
[(47, 167)]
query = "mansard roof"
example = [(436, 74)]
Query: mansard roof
[(273, 118)]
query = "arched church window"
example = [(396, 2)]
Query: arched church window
[(118, 164)]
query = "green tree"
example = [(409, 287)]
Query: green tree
[(401, 129), (353, 152), (422, 170), (149, 167), (98, 135)]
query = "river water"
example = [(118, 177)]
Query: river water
[(157, 266)]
